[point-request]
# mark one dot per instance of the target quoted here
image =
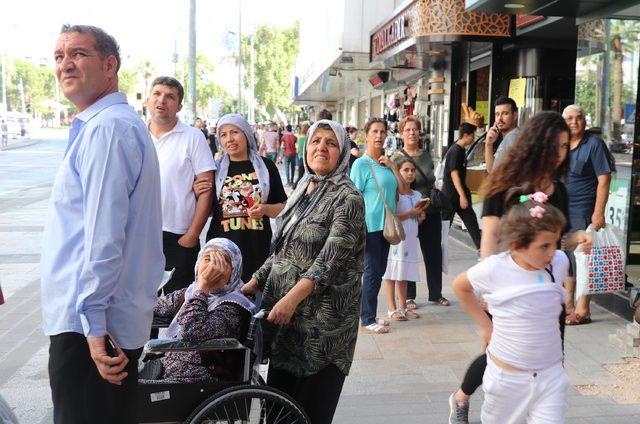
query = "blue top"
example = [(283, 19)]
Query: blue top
[(102, 257), (363, 179), (589, 160)]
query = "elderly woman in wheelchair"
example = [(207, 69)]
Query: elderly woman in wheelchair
[(207, 371), (212, 307)]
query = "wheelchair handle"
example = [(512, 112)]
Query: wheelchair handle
[(261, 314), (253, 326)]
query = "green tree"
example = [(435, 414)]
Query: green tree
[(38, 83), (127, 79), (274, 54), (206, 88)]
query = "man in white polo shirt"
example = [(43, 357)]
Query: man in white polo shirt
[(184, 156)]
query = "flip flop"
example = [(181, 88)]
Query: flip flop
[(411, 304), (577, 319), (443, 301), (374, 329)]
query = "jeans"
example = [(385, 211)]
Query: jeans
[(470, 220), (273, 156), (375, 264), (430, 237), (290, 167), (300, 164)]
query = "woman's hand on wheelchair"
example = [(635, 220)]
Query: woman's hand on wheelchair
[(111, 369), (250, 289)]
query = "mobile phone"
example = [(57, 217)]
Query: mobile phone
[(110, 347), (424, 202)]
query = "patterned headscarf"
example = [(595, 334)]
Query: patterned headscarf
[(230, 292), (289, 217), (222, 164)]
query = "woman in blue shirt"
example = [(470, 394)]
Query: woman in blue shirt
[(374, 163)]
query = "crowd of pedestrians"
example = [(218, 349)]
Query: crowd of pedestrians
[(132, 199)]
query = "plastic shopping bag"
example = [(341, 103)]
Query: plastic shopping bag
[(444, 244), (600, 270)]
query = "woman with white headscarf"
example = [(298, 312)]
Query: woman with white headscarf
[(211, 307), (311, 281), (248, 190)]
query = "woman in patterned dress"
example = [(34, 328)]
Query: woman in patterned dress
[(311, 283)]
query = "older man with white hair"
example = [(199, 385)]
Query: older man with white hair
[(588, 187)]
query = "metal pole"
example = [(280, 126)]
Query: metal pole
[(4, 83), (252, 99), (21, 89), (192, 57), (240, 56)]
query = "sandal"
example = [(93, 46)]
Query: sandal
[(443, 301), (374, 329), (577, 319), (397, 315), (411, 304), (383, 322), (410, 314)]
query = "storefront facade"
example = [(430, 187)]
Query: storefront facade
[(422, 44), (606, 56)]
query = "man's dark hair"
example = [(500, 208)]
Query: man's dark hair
[(351, 130), (324, 114), (172, 83), (288, 128), (105, 45), (466, 128), (504, 100)]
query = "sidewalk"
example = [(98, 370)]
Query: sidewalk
[(407, 376), (19, 143)]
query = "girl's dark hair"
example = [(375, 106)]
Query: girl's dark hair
[(404, 160), (517, 225), (533, 157)]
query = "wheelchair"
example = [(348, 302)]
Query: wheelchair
[(239, 397)]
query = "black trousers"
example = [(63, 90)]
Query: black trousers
[(317, 394), (468, 216), (183, 259), (430, 237), (80, 395)]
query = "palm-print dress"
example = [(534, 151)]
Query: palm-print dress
[(326, 246)]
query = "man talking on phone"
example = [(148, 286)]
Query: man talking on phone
[(505, 128), (102, 259)]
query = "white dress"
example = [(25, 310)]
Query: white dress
[(402, 263)]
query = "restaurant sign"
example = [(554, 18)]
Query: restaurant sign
[(394, 32)]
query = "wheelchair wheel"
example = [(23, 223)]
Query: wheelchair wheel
[(249, 404)]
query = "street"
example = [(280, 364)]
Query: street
[(26, 177), (406, 376)]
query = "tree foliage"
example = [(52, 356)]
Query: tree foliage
[(275, 52), (38, 83), (206, 88)]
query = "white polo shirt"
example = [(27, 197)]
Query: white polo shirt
[(183, 153)]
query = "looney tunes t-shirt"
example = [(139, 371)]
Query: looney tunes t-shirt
[(231, 217)]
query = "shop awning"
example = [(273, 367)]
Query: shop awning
[(569, 8), (338, 80)]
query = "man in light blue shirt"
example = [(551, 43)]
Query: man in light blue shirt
[(102, 255)]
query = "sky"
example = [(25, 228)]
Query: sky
[(145, 29)]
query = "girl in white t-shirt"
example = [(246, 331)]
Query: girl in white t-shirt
[(402, 262), (525, 380)]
